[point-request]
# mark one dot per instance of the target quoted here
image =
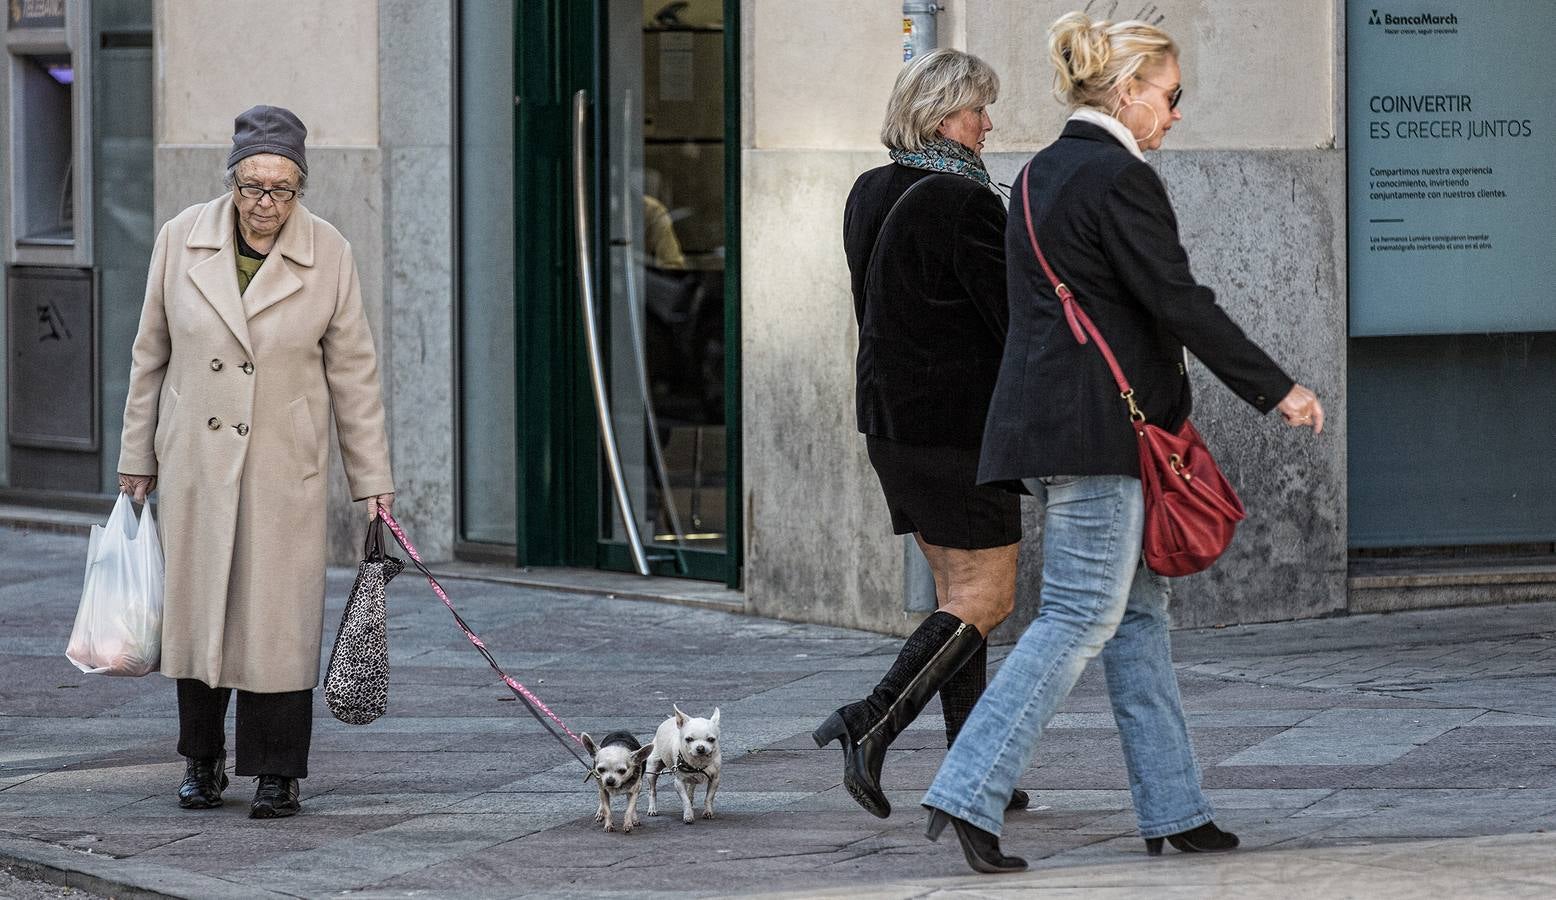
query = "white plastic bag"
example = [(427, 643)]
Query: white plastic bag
[(118, 627)]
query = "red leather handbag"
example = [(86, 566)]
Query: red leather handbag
[(1191, 510)]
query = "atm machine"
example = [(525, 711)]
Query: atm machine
[(77, 233)]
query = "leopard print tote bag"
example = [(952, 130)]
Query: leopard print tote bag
[(356, 685)]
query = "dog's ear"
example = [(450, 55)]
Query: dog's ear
[(715, 717), (588, 743), (643, 753), (680, 717)]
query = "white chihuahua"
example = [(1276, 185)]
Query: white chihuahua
[(618, 767), (688, 748)]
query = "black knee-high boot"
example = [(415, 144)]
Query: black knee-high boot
[(959, 695), (940, 647), (961, 691)]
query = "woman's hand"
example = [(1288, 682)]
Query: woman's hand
[(382, 501), (137, 486), (1301, 408)]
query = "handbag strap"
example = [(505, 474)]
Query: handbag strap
[(536, 707), (1080, 323), (373, 543), (869, 264)]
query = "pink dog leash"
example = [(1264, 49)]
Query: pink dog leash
[(537, 708)]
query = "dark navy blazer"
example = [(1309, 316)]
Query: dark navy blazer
[(931, 307), (1105, 224)]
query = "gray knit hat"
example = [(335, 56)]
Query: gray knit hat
[(268, 129)]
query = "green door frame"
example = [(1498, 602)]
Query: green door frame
[(546, 73), (558, 46)]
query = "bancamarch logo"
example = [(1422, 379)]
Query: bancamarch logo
[(1422, 19)]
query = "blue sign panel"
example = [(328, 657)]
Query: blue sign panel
[(1452, 166)]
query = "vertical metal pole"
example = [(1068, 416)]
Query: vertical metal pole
[(919, 36), (919, 32), (592, 334)]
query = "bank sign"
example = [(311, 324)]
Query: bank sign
[(1452, 166)]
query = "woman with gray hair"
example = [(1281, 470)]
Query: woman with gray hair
[(252, 338), (924, 237)]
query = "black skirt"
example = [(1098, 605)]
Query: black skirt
[(934, 492)]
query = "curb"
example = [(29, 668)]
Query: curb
[(121, 879), (610, 585), (606, 585), (56, 524)]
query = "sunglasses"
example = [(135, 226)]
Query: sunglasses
[(1173, 96)]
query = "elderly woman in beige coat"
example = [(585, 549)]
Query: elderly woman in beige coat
[(252, 338)]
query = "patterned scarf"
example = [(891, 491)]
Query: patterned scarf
[(941, 154)]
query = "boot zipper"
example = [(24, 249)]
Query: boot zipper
[(938, 653)]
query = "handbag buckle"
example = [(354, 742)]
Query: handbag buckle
[(1135, 415), (1176, 462), (1063, 291)]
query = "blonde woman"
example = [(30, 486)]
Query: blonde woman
[(924, 236), (1057, 426)]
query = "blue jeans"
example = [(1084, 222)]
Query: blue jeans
[(1097, 597)]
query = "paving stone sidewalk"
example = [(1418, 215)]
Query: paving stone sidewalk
[(1372, 743)]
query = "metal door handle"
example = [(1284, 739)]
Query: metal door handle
[(592, 334), (635, 308)]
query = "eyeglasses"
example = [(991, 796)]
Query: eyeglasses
[(1173, 96), (276, 195)]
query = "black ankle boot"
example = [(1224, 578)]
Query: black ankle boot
[(1206, 838), (275, 798), (981, 849), (959, 695), (932, 654), (204, 781)]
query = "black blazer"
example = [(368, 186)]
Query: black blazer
[(1106, 226), (931, 309)]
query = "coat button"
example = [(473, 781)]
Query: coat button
[(213, 423), (241, 429), (216, 365), (248, 368)]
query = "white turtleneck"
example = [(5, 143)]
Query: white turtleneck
[(1112, 125)]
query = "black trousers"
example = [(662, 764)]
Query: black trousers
[(274, 730)]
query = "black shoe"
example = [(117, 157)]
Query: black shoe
[(981, 848), (1018, 800), (276, 798), (1207, 838), (932, 654), (204, 781)]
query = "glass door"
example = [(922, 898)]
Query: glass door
[(625, 311), (662, 246)]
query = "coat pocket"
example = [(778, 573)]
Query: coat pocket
[(303, 437), (164, 423)]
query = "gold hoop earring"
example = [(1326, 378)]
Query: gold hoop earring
[(1156, 119)]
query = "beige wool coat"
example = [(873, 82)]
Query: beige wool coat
[(230, 400)]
